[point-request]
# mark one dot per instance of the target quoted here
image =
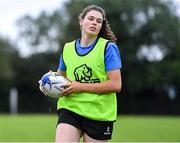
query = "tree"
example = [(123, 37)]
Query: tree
[(8, 54), (148, 36)]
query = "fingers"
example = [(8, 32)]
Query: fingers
[(42, 88), (69, 79), (40, 85), (44, 91), (66, 91), (66, 85), (73, 87)]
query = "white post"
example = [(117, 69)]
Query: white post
[(13, 100)]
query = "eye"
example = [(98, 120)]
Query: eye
[(99, 20), (91, 18)]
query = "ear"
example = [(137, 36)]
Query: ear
[(80, 22)]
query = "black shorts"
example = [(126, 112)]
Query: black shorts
[(99, 130)]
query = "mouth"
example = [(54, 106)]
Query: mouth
[(92, 29)]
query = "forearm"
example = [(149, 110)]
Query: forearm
[(113, 84), (61, 73), (100, 88)]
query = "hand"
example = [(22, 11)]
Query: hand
[(42, 88), (72, 87)]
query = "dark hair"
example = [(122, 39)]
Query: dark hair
[(105, 31)]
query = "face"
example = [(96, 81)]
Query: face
[(92, 23)]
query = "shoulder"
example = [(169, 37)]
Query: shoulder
[(102, 40), (109, 43), (70, 43), (112, 57), (111, 46)]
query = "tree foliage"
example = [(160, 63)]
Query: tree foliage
[(136, 23), (8, 54), (148, 34)]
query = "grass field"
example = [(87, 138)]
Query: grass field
[(41, 128)]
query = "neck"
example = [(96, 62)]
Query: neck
[(87, 40)]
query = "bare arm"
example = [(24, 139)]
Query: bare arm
[(113, 84), (61, 73)]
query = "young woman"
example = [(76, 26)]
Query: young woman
[(88, 107)]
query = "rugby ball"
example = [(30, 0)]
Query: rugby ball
[(51, 83)]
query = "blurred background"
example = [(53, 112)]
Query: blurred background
[(148, 34)]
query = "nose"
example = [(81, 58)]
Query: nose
[(94, 22)]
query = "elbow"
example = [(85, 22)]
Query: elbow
[(117, 88)]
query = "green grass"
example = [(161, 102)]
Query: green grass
[(27, 127), (127, 128), (147, 129)]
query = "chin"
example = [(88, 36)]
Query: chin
[(94, 34)]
